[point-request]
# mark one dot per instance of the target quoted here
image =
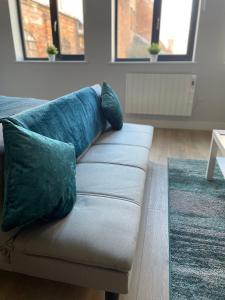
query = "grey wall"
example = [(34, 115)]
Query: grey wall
[(44, 80)]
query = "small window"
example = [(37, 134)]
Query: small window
[(31, 45), (171, 23), (46, 22)]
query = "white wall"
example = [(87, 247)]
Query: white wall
[(44, 80)]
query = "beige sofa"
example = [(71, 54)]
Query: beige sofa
[(94, 246)]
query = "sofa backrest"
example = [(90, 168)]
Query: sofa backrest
[(74, 118)]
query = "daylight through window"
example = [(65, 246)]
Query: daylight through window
[(171, 23), (46, 22)]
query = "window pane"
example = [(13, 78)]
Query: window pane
[(36, 27), (134, 28), (175, 26), (71, 26)]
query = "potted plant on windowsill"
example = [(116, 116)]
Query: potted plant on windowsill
[(52, 51), (154, 50)]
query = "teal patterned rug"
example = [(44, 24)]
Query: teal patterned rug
[(196, 232)]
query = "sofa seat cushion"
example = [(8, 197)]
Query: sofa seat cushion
[(117, 154), (131, 134), (111, 180), (138, 128), (100, 231)]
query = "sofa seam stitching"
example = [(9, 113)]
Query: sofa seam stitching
[(112, 163), (109, 196), (103, 143)]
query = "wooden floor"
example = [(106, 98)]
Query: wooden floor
[(150, 280)]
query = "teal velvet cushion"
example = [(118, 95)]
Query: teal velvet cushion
[(75, 118), (111, 107), (39, 177)]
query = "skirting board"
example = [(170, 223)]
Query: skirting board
[(195, 125)]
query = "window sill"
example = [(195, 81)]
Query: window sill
[(152, 63), (53, 62)]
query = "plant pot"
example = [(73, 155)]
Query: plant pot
[(51, 57), (154, 57)]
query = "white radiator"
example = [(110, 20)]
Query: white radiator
[(160, 94)]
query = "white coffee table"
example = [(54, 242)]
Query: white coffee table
[(217, 143)]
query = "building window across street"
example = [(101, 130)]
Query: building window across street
[(47, 22)]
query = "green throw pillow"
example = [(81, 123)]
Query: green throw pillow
[(39, 177), (111, 107)]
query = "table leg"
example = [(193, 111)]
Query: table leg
[(212, 159)]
